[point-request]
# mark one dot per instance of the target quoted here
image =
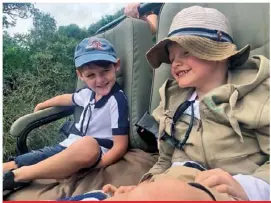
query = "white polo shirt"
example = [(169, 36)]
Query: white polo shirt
[(102, 119)]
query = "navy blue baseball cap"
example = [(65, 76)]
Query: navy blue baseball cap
[(94, 49)]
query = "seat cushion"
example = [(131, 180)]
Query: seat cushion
[(127, 171)]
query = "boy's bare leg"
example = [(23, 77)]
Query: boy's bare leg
[(9, 165), (81, 154), (164, 189)]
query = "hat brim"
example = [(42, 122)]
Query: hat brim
[(199, 47), (87, 58)]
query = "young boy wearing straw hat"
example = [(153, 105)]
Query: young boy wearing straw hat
[(213, 117)]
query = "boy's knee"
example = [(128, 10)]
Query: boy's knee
[(88, 151)]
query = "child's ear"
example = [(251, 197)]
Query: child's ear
[(117, 66), (79, 74)]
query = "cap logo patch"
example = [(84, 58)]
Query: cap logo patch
[(94, 44)]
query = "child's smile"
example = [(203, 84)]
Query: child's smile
[(182, 72), (102, 86), (99, 79), (190, 71)]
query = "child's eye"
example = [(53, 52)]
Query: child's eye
[(90, 76), (185, 53), (104, 71)]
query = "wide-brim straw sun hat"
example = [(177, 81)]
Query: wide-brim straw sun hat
[(205, 33)]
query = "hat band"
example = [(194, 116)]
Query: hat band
[(215, 35)]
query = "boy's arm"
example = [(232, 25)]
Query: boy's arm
[(152, 21), (116, 152), (165, 150), (60, 100), (119, 114), (263, 136), (163, 163)]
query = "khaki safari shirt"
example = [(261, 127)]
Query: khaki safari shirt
[(233, 130)]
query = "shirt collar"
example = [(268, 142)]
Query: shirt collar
[(105, 98), (193, 96)]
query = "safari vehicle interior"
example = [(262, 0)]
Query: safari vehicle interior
[(132, 39)]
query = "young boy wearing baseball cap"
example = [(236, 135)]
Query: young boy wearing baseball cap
[(99, 139), (213, 116)]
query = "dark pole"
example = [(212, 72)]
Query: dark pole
[(143, 9)]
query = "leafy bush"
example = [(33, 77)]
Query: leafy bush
[(35, 69)]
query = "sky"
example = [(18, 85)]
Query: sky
[(82, 14)]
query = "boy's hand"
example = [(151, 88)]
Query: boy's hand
[(222, 181), (38, 107), (115, 191), (111, 189), (131, 10)]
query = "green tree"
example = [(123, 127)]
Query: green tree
[(93, 28), (73, 31), (12, 11), (43, 31), (36, 66), (15, 60)]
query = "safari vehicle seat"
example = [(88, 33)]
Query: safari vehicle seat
[(245, 28), (131, 39)]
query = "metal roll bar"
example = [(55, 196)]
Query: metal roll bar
[(143, 9)]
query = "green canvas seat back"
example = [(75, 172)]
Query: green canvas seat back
[(249, 22), (132, 39)]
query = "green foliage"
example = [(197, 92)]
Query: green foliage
[(93, 28), (13, 10), (73, 31), (38, 66)]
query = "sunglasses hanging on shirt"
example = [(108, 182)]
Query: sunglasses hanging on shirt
[(88, 107), (170, 139)]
